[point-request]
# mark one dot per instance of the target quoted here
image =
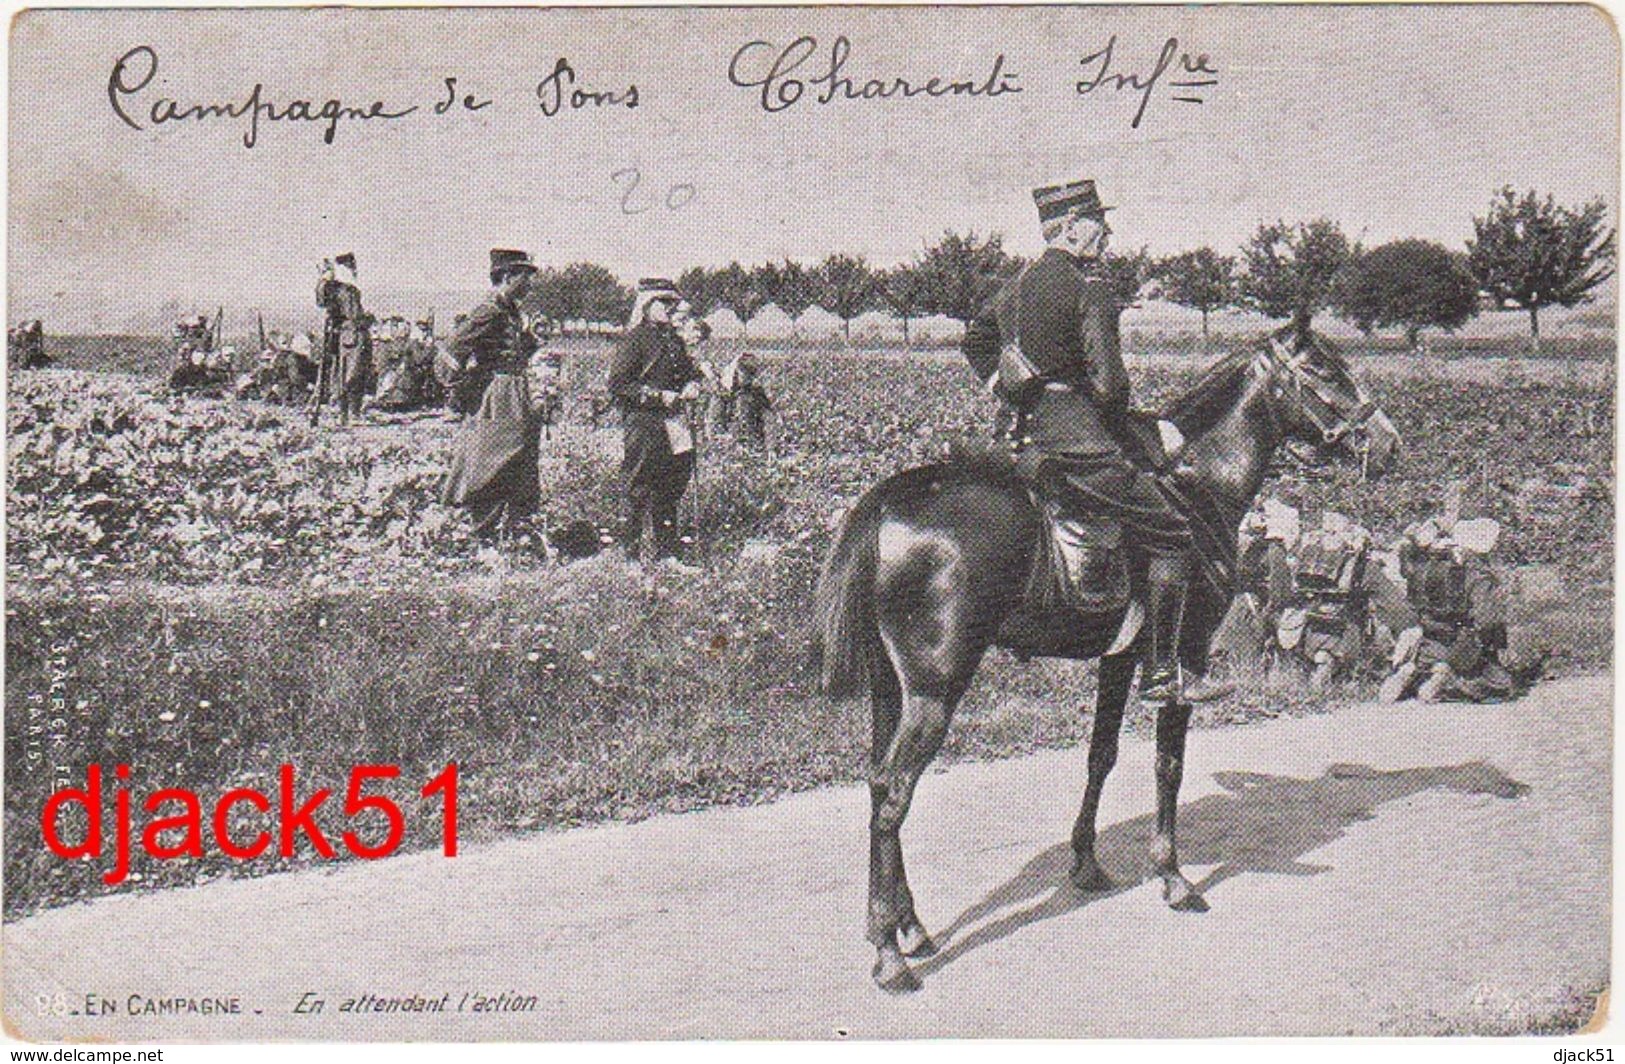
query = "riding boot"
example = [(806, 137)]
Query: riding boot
[(1166, 577), (1169, 578)]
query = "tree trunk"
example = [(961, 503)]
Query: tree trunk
[(907, 342), (1300, 324), (1207, 348), (846, 330), (1534, 330), (1413, 338)]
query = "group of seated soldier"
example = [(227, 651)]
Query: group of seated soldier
[(285, 372), (404, 354), (1428, 614), (288, 367), (199, 364), (25, 345)]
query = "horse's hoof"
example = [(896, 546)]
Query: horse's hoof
[(1090, 879), (915, 942), (1183, 898), (894, 976)]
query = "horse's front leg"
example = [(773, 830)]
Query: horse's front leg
[(1173, 720), (1115, 677)]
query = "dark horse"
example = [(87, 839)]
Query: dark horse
[(930, 569)]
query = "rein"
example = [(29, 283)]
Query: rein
[(1300, 385)]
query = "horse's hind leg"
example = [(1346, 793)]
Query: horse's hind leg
[(886, 706), (921, 725), (1173, 720), (1115, 677)]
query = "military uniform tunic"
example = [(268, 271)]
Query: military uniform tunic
[(652, 359), (1463, 612), (346, 342), (494, 471), (1064, 316)]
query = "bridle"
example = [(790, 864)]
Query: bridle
[(1289, 378)]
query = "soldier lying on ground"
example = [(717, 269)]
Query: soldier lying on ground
[(273, 378), (199, 371)]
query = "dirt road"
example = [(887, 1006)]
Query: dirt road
[(1379, 870)]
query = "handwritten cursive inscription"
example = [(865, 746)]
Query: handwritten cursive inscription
[(136, 68), (1195, 71), (772, 71), (471, 102), (551, 92), (634, 201)]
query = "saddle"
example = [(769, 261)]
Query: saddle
[(1080, 564)]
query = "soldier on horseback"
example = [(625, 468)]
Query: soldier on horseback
[(1051, 338)]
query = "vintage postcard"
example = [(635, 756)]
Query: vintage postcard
[(519, 520)]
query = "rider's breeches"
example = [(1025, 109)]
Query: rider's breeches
[(1112, 486)]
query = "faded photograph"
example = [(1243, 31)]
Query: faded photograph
[(517, 521)]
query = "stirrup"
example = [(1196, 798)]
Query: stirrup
[(1204, 689), (1172, 689)]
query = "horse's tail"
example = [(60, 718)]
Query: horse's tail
[(847, 647)]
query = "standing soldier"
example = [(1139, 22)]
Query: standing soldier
[(1052, 338), (724, 395), (422, 355), (650, 376), (494, 469), (347, 339), (751, 402)]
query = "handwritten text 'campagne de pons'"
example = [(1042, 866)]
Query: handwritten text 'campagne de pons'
[(803, 73), (180, 834)]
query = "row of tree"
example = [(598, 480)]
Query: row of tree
[(1527, 252), (954, 277), (583, 292)]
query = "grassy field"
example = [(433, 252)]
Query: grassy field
[(151, 355), (210, 590)]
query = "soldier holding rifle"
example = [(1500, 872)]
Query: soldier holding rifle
[(346, 340)]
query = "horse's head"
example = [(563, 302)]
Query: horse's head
[(1317, 401)]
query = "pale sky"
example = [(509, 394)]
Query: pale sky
[(1394, 121)]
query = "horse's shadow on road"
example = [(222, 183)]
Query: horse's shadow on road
[(1261, 824)]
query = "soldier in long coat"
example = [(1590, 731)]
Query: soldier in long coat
[(346, 338), (1052, 336), (650, 376), (494, 470)]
